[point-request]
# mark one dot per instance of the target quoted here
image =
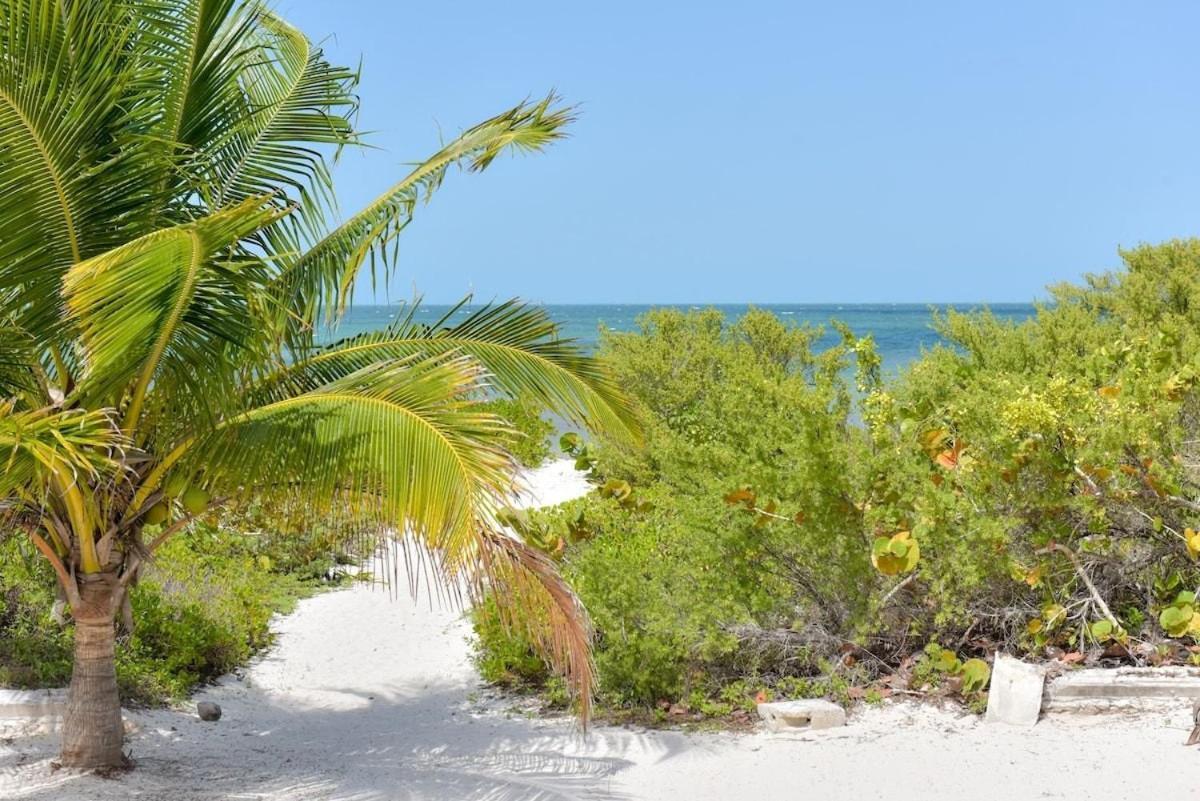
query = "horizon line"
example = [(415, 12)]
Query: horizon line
[(702, 303)]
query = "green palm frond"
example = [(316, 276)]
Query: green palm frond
[(73, 167), (404, 445), (322, 279), (297, 102), (200, 49), (17, 361), (518, 344), (36, 444), (164, 301)]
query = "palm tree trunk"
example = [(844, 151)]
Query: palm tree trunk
[(92, 730)]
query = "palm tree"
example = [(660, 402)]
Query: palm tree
[(168, 253)]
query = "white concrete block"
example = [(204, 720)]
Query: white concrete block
[(1122, 688), (803, 714), (32, 703), (1015, 694)]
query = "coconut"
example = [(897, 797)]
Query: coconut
[(176, 485), (156, 515), (195, 500)]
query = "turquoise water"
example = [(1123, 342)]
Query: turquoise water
[(901, 330)]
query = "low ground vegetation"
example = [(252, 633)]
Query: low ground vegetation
[(800, 523), (202, 610)]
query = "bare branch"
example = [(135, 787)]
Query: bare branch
[(1184, 503), (892, 592), (1087, 581)]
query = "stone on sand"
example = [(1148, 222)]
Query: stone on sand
[(207, 710)]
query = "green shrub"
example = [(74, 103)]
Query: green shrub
[(807, 520), (675, 581), (1073, 441), (502, 655), (203, 609), (34, 650), (532, 445)]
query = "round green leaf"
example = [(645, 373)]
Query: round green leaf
[(1176, 620), (975, 673)]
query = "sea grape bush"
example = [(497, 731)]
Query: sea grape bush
[(1067, 460), (675, 580), (1028, 485)]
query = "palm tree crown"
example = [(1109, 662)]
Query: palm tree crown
[(169, 248)]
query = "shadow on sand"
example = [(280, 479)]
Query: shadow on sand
[(367, 748)]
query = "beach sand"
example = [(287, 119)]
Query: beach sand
[(368, 696)]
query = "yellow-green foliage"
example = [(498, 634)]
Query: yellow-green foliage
[(667, 569), (896, 554), (805, 511), (1180, 617), (1072, 429)]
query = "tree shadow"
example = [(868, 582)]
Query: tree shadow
[(335, 714), (348, 746)]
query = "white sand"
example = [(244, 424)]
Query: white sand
[(367, 697)]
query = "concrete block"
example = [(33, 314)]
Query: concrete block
[(802, 714), (1015, 694), (32, 703), (36, 712), (30, 713), (1103, 689)]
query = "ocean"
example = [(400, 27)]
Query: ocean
[(901, 330)]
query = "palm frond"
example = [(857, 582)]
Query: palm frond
[(518, 344), (73, 163), (164, 301), (404, 445), (17, 361), (533, 599), (297, 102), (322, 279), (36, 444), (199, 48)]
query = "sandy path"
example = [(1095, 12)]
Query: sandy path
[(368, 698)]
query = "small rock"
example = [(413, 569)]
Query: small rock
[(207, 710), (809, 713)]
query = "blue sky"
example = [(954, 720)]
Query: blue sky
[(780, 151)]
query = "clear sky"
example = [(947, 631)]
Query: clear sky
[(780, 151)]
